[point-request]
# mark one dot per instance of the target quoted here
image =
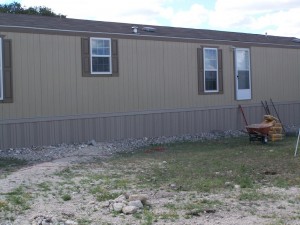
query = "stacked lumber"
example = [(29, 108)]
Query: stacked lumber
[(275, 133)]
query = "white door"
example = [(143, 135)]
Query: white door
[(242, 74)]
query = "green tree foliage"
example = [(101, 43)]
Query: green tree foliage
[(16, 8)]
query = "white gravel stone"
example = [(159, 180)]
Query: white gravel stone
[(142, 197), (129, 209), (136, 203), (49, 153), (117, 207)]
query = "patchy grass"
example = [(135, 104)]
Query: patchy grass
[(84, 221), (44, 186), (14, 202), (103, 194), (171, 215), (254, 195), (66, 197), (207, 166), (8, 165)]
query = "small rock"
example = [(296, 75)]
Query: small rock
[(142, 197), (237, 186), (117, 207), (70, 222), (228, 183), (164, 162), (194, 212), (173, 186), (68, 214), (210, 211), (136, 203), (121, 198), (129, 209), (92, 143), (106, 204)]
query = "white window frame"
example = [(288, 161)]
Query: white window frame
[(205, 69), (1, 71), (92, 55)]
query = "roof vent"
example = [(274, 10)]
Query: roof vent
[(149, 29), (134, 29), (297, 40)]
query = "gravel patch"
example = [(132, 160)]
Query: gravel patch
[(93, 149)]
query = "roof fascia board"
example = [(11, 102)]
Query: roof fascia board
[(41, 30)]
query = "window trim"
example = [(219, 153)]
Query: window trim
[(1, 70), (216, 70), (91, 57)]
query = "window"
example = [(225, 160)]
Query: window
[(6, 85), (210, 56), (100, 55), (1, 71), (210, 70)]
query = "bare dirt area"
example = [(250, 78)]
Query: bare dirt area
[(92, 186)]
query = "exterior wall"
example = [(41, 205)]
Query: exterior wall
[(155, 94)]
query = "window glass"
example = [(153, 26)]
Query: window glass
[(210, 69), (210, 80), (100, 64), (242, 60)]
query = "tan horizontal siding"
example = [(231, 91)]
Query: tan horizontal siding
[(153, 75)]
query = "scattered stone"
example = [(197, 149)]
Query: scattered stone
[(237, 186), (117, 207), (68, 214), (270, 172), (142, 197), (70, 222), (194, 212), (92, 142), (228, 183), (106, 204), (136, 203), (121, 198), (129, 209), (209, 211), (49, 153), (173, 186), (164, 194)]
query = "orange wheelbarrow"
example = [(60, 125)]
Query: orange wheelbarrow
[(259, 132)]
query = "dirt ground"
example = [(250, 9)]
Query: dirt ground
[(46, 182)]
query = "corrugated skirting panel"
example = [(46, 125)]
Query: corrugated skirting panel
[(105, 127)]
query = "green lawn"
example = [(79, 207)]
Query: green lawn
[(213, 165)]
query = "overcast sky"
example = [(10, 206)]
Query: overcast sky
[(276, 17)]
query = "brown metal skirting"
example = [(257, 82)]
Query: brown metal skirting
[(24, 133)]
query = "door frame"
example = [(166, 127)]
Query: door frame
[(245, 94)]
